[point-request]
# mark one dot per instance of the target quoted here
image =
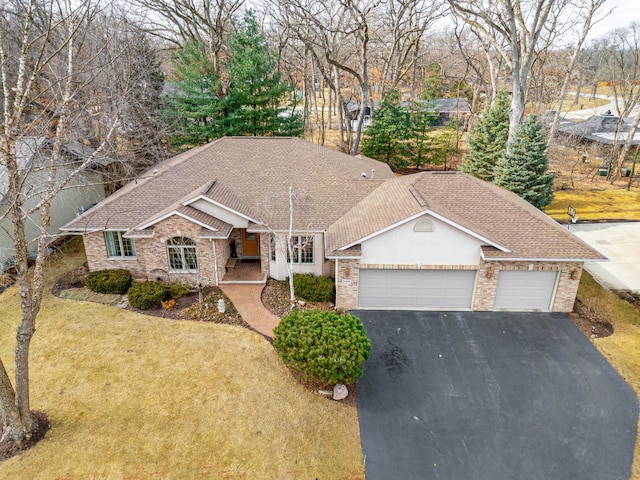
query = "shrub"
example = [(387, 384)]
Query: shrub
[(323, 345), (109, 281), (313, 288), (178, 289), (145, 295)]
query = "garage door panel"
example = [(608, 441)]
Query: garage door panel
[(525, 290), (416, 289)]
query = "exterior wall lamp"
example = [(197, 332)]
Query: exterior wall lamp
[(489, 274), (574, 274)]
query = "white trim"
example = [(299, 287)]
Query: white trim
[(217, 204), (175, 212), (81, 230), (341, 257), (418, 215), (554, 260)]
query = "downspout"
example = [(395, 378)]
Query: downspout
[(215, 262)]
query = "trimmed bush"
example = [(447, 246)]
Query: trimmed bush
[(323, 345), (109, 281), (313, 288), (178, 289), (145, 295)]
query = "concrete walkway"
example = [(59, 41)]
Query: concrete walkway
[(246, 298)]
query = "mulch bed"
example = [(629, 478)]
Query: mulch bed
[(588, 322), (276, 299)]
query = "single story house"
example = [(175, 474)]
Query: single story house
[(432, 240), (603, 129), (84, 191)]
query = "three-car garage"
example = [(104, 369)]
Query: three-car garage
[(414, 289)]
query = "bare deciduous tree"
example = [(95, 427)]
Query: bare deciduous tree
[(204, 21), (515, 29), (587, 12), (46, 66)]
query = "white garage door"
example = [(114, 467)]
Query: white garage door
[(416, 289), (525, 290)]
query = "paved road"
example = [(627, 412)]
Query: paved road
[(601, 110), (620, 243), (490, 396)]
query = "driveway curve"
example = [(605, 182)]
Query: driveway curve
[(462, 395)]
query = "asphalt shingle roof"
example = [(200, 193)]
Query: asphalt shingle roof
[(251, 175), (513, 228)]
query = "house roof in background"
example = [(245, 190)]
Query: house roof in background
[(32, 153), (600, 128)]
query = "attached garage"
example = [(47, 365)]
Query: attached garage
[(525, 290), (416, 289)]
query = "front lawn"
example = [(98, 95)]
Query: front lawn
[(135, 396), (621, 348)]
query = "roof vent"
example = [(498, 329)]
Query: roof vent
[(444, 172)]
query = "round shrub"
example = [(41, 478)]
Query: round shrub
[(109, 281), (145, 295), (313, 288), (323, 345), (178, 289)]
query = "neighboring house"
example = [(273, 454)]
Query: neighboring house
[(450, 108), (603, 129), (444, 109), (433, 240), (84, 191)]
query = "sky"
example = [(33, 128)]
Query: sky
[(624, 13)]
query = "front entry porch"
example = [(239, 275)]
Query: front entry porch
[(243, 270)]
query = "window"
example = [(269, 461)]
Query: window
[(182, 255), (423, 226), (272, 247), (118, 246), (302, 249)]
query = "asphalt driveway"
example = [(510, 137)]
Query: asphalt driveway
[(461, 395)]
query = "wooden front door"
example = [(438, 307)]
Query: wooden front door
[(250, 244)]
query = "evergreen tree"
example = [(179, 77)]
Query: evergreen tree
[(387, 138), (422, 119), (523, 168), (193, 104), (488, 139), (255, 92)]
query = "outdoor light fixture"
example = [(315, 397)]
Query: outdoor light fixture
[(347, 271), (574, 274), (489, 273)]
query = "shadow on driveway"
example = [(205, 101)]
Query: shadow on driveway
[(462, 395)]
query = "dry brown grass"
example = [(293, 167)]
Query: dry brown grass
[(139, 397), (618, 204), (621, 348)]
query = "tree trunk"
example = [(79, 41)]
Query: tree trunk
[(13, 427)]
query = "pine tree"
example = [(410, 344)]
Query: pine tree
[(193, 105), (422, 119), (255, 92), (488, 139), (523, 168), (386, 139)]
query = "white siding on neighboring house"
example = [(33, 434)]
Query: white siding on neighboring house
[(278, 269), (83, 191), (445, 245)]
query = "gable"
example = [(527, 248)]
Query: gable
[(412, 243)]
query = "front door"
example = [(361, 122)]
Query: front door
[(250, 244)]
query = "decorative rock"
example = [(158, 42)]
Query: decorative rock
[(340, 392)]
